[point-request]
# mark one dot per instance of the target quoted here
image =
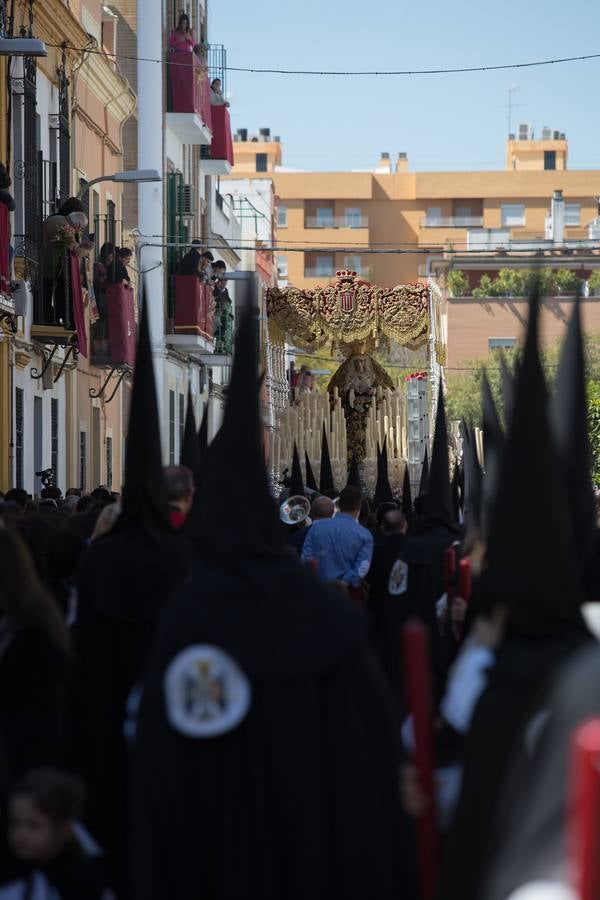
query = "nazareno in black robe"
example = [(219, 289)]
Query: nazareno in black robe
[(300, 799)]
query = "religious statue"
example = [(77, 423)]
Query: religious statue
[(357, 380)]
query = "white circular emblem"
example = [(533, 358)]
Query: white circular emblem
[(206, 692), (398, 578)]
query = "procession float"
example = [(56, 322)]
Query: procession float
[(368, 402)]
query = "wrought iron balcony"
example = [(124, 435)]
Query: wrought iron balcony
[(452, 222), (189, 110), (336, 222), (217, 158)]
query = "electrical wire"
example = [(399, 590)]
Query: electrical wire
[(378, 73)]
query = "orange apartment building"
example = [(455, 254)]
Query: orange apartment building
[(476, 221)]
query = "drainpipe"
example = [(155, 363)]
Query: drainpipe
[(558, 218)]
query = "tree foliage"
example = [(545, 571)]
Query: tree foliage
[(463, 389)]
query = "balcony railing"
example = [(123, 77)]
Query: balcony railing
[(337, 222), (217, 158), (113, 334), (452, 222), (194, 308), (189, 86), (4, 256), (58, 304)]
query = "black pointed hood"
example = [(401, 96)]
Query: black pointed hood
[(190, 449), (407, 505), (353, 474), (326, 475), (438, 487), (144, 498), (203, 434), (508, 391), (383, 489), (235, 463), (473, 477), (569, 426), (296, 483), (493, 447), (424, 481), (311, 484), (455, 494), (530, 563)]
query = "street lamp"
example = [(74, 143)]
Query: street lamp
[(22, 47), (134, 176)]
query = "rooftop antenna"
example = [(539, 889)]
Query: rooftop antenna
[(510, 105)]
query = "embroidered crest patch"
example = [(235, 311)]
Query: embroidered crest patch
[(398, 578), (206, 692)]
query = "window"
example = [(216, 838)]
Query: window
[(19, 431), (324, 265), (54, 437), (324, 217), (171, 428), (261, 162), (181, 421), (111, 228), (96, 447), (282, 216), (352, 217), (434, 215), (352, 262), (282, 266), (83, 460), (109, 462), (549, 159), (572, 214), (502, 343), (513, 214)]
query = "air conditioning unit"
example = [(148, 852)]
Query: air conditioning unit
[(188, 201), (20, 294), (546, 134), (556, 135), (525, 132)]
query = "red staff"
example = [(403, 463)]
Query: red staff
[(417, 686), (584, 810)]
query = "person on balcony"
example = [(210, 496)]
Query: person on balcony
[(190, 263), (216, 93), (223, 321), (182, 37), (5, 182), (62, 233), (117, 272), (101, 270)]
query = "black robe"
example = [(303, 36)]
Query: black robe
[(123, 582), (301, 798), (388, 612), (33, 693), (514, 694)]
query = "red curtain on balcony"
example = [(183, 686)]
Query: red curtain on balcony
[(193, 306), (4, 242), (222, 142), (190, 87), (121, 324), (77, 303)]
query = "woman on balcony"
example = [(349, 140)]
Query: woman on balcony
[(216, 93), (182, 37)]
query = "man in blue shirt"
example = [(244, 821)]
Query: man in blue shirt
[(342, 548)]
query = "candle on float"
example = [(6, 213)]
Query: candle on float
[(399, 438)]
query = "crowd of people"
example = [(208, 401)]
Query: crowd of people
[(197, 699)]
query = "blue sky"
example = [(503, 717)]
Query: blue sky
[(443, 122)]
